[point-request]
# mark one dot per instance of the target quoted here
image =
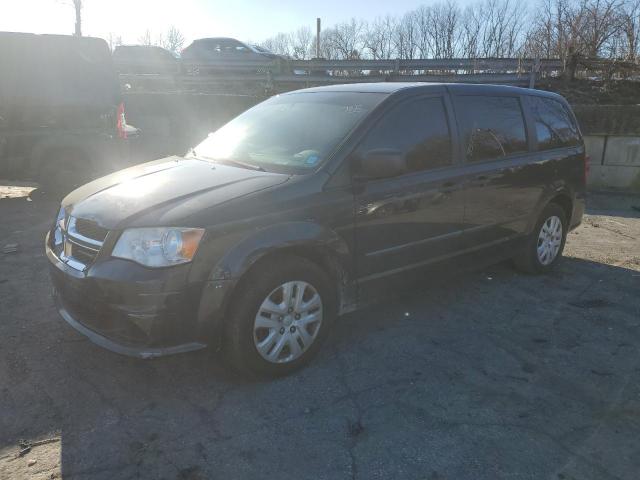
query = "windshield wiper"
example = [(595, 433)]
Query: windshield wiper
[(240, 163), (230, 161)]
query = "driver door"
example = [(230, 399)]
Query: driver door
[(413, 219)]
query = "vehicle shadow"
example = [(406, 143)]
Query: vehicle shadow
[(625, 205), (433, 380)]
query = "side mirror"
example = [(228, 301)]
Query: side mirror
[(381, 163)]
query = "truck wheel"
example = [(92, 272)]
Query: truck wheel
[(280, 317), (543, 248)]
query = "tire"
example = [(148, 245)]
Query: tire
[(530, 259), (253, 333)]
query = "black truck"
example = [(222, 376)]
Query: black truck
[(61, 113)]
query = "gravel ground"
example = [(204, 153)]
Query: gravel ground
[(491, 375)]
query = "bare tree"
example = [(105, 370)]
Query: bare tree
[(630, 30), (279, 44), (563, 28), (443, 29), (405, 37), (344, 41), (501, 24), (378, 38), (114, 41), (173, 40), (301, 43), (424, 37), (145, 38), (471, 27), (601, 21), (541, 39), (488, 28)]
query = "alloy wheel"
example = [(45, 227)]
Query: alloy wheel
[(287, 322), (549, 240)]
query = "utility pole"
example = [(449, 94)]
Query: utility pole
[(318, 37), (77, 4)]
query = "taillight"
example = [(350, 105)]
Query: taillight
[(121, 121), (587, 167)]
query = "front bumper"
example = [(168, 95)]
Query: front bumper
[(144, 352), (130, 309)]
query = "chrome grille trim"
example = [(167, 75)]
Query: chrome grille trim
[(77, 241), (90, 229), (90, 247), (71, 230)]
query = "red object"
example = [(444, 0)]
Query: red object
[(121, 122)]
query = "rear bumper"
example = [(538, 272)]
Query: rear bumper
[(129, 309)]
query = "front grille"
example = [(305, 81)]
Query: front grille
[(79, 242), (90, 229), (82, 253)]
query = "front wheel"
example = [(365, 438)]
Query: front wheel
[(280, 316), (543, 249)]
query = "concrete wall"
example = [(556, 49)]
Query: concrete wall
[(615, 161)]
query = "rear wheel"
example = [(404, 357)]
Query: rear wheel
[(543, 249), (280, 317)]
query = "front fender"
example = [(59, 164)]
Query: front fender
[(226, 273), (301, 234)]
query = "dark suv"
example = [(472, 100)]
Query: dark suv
[(294, 211), (61, 113)]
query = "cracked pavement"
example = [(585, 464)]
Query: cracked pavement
[(488, 375)]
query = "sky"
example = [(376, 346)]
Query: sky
[(247, 20)]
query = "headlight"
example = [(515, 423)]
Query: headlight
[(158, 247), (58, 227), (60, 217)]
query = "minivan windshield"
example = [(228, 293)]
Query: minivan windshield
[(292, 133)]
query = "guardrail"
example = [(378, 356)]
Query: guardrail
[(239, 76), (467, 64)]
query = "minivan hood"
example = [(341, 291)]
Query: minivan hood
[(174, 184)]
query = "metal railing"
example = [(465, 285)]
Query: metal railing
[(239, 76)]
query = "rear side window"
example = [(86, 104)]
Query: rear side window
[(417, 128), (491, 127), (555, 127)]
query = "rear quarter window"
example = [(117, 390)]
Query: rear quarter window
[(554, 125), (491, 127)]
